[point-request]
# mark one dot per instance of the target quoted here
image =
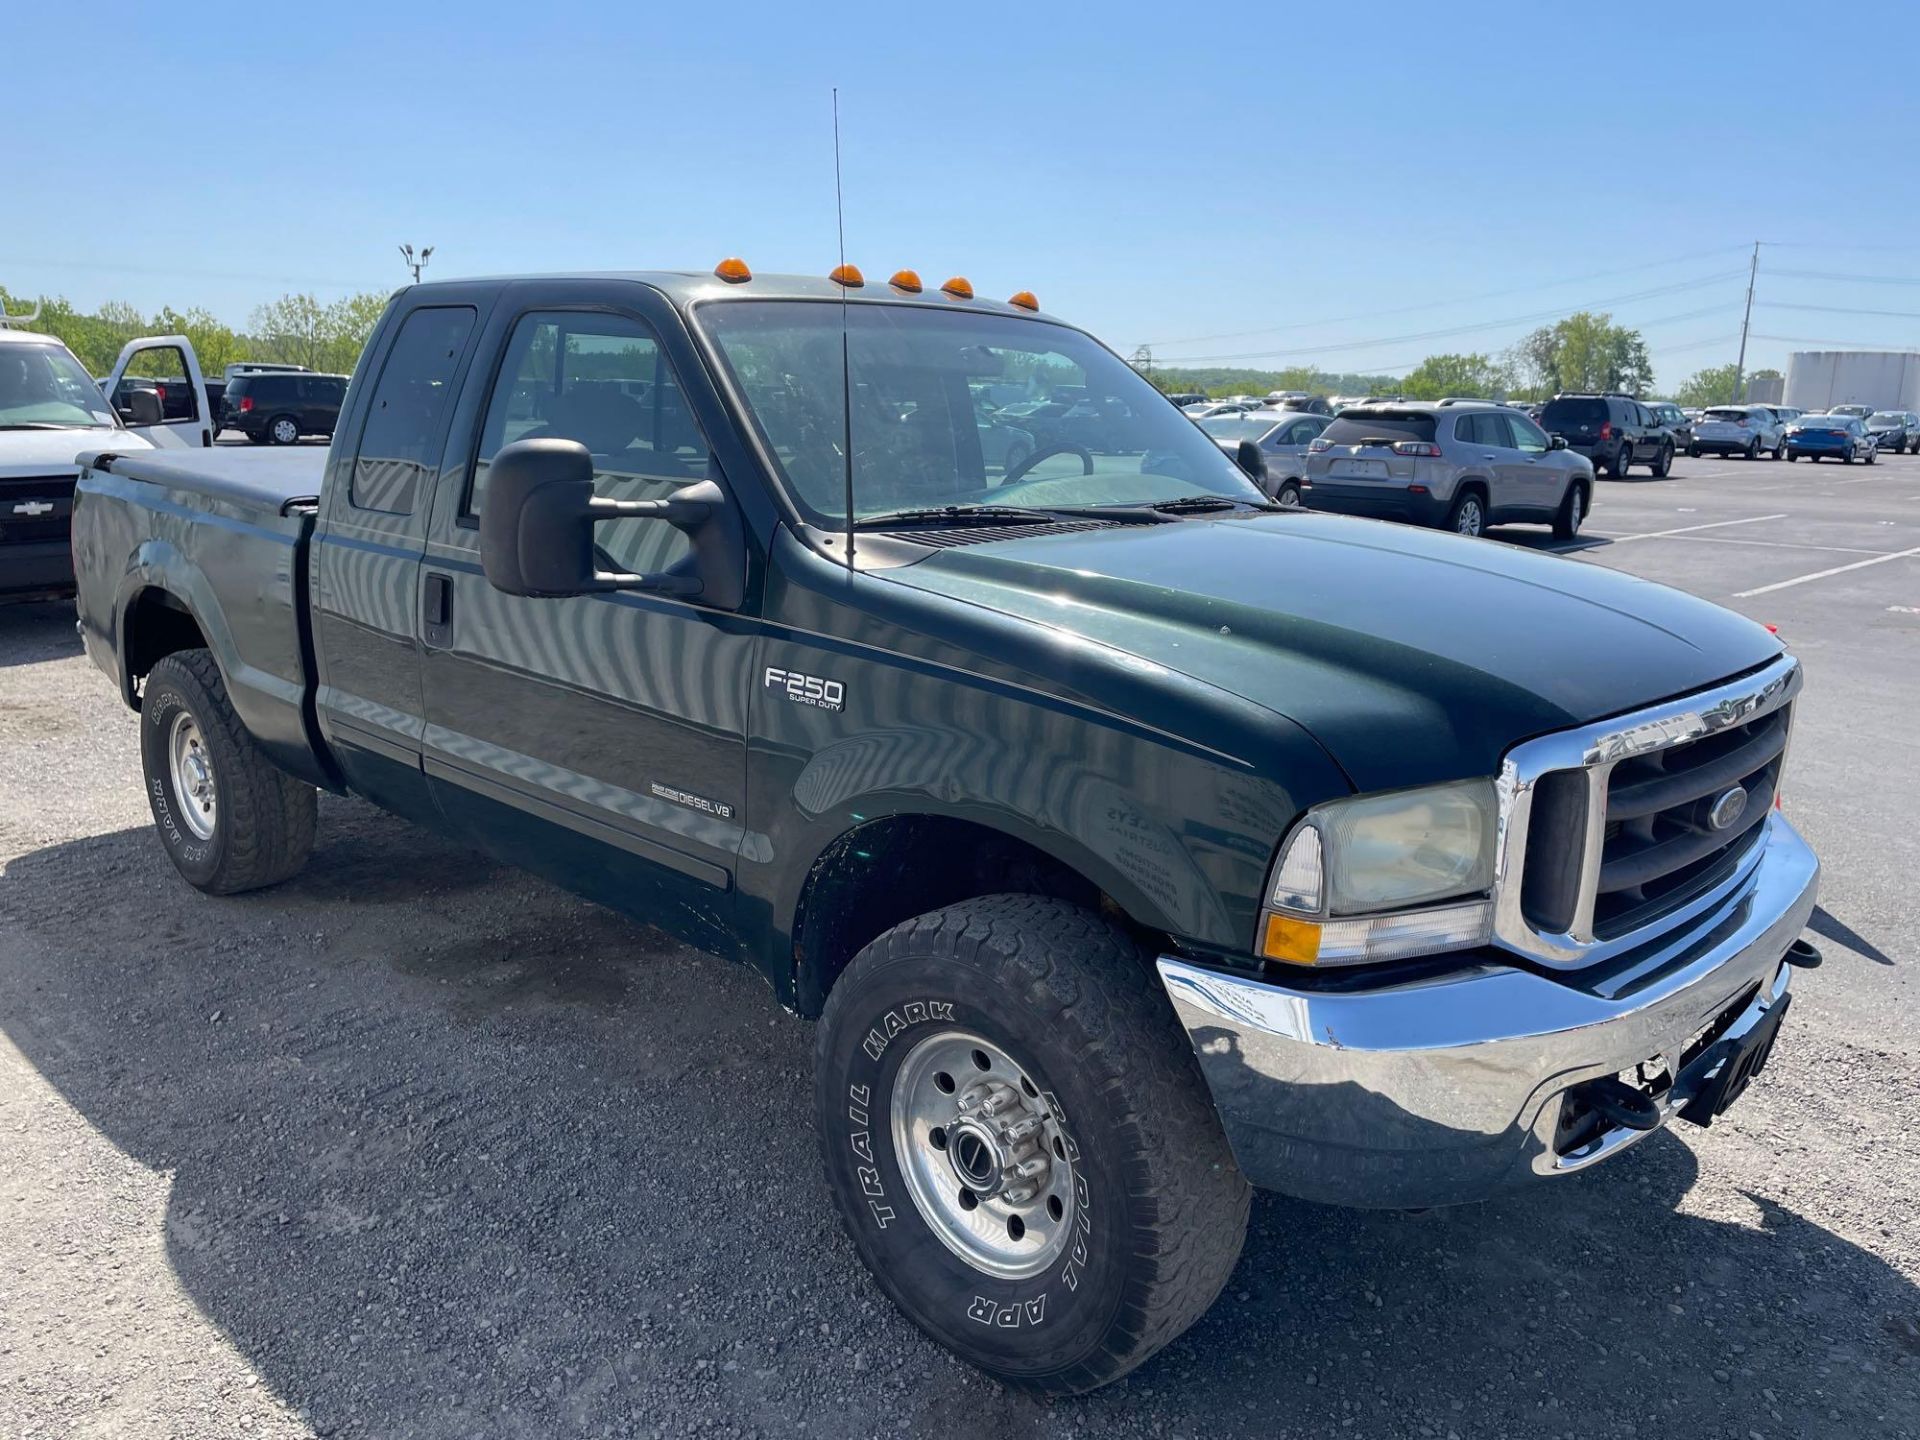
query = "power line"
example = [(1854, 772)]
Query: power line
[(1836, 344), (1847, 278), (1840, 310), (1504, 321), (1454, 299)]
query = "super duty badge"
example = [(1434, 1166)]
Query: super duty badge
[(807, 689)]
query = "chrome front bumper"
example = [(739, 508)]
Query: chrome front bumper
[(1445, 1090)]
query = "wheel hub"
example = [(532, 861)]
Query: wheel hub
[(193, 778), (984, 1154)]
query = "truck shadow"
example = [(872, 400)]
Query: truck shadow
[(37, 631), (466, 1155)]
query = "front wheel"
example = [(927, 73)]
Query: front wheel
[(229, 819), (1752, 451), (1872, 454), (1020, 1144), (1573, 513), (1780, 451), (1663, 467), (1846, 457), (1693, 452)]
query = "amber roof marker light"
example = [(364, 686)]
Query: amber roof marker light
[(847, 275), (733, 270), (905, 280), (959, 287), (1024, 299)]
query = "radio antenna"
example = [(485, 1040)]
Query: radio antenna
[(846, 362)]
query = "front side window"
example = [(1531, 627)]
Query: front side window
[(42, 387), (1528, 436), (1096, 433), (601, 380), (401, 440)]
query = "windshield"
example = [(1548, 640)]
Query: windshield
[(1235, 428), (1886, 418), (952, 408), (43, 387)]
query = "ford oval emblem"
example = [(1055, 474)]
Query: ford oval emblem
[(1728, 809)]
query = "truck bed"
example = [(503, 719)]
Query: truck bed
[(218, 539)]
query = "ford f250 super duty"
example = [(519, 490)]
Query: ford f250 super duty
[(1134, 840)]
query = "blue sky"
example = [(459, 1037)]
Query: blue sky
[(1314, 189)]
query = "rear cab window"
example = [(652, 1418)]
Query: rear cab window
[(400, 442)]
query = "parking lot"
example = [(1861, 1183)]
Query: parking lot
[(419, 1146)]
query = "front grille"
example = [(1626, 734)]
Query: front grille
[(1661, 844), (1613, 829), (35, 491)]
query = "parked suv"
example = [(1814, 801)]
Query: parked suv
[(1464, 467), (1894, 431), (1748, 430), (277, 407), (1612, 431)]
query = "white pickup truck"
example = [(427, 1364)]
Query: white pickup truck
[(50, 411)]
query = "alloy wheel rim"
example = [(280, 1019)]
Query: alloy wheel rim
[(1469, 517), (191, 769), (984, 1154)]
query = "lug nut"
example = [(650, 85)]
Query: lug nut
[(1030, 1169)]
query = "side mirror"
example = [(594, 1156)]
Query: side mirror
[(536, 529), (1248, 457), (1558, 442), (142, 407)]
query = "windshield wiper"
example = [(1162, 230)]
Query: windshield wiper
[(1200, 504), (952, 515), (43, 425)]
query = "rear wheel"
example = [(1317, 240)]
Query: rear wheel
[(229, 819), (1573, 513), (283, 430), (1469, 515), (1622, 459), (1288, 496), (1020, 1144)]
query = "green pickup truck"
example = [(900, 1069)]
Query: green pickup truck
[(1135, 841)]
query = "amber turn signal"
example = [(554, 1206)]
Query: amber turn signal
[(905, 280), (848, 275), (959, 287), (1295, 941), (733, 270), (1025, 300)]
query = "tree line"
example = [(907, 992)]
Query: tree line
[(1586, 351), (293, 330)]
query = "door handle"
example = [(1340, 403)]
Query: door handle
[(436, 611)]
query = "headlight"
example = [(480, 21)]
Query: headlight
[(1358, 879)]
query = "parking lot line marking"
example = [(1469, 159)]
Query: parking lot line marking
[(1772, 544), (1823, 574), (1689, 529)]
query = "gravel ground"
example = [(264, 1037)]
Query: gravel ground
[(417, 1146)]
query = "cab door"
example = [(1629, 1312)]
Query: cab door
[(165, 368), (599, 739)]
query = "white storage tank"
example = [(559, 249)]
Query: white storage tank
[(1885, 379)]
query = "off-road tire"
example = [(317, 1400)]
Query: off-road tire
[(1161, 1208), (264, 822)]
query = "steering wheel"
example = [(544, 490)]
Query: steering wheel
[(1043, 452)]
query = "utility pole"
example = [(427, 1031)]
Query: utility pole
[(419, 264), (1740, 365)]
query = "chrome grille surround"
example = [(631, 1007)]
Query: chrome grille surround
[(1592, 752)]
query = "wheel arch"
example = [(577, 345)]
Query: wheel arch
[(888, 869)]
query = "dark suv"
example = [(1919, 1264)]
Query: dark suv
[(1613, 431), (277, 409)]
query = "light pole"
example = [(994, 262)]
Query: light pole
[(413, 264)]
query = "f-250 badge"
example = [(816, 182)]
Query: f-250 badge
[(807, 689)]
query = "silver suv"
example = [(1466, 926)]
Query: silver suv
[(1462, 466)]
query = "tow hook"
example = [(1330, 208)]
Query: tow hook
[(1620, 1103), (1804, 955)]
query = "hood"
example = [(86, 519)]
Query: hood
[(52, 452), (1412, 655)]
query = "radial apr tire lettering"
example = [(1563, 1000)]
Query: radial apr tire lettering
[(1152, 1209)]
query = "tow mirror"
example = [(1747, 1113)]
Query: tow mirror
[(142, 407), (537, 519), (1248, 457)]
